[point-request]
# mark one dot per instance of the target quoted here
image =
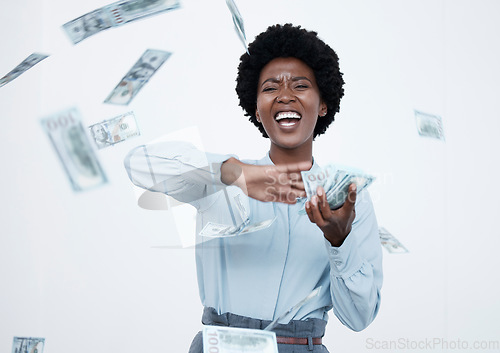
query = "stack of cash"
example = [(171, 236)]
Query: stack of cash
[(335, 181)]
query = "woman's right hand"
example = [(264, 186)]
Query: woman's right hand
[(268, 183)]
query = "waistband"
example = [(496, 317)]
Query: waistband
[(310, 328)]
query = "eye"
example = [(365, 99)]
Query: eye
[(268, 89), (302, 86)]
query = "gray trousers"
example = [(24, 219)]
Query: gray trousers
[(310, 328)]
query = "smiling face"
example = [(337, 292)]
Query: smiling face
[(288, 105)]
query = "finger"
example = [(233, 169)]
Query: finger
[(299, 185), (309, 212), (316, 213), (323, 205), (351, 199)]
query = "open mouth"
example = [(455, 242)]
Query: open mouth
[(287, 118)]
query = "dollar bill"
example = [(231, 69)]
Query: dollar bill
[(113, 15), (283, 319), (70, 141), (110, 132), (238, 22), (28, 345), (222, 339), (429, 125), (137, 76), (390, 243), (123, 12), (24, 66), (335, 181), (218, 230)]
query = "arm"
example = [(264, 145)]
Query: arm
[(180, 170), (175, 168), (355, 259)]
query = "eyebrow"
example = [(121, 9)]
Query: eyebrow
[(296, 78)]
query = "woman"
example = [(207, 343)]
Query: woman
[(290, 86)]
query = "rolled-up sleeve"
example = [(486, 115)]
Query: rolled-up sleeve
[(356, 269)]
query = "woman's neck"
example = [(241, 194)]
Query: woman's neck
[(280, 156)]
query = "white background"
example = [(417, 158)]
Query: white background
[(82, 270)]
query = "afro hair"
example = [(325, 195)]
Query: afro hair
[(290, 41)]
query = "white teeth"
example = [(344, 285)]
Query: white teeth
[(288, 124), (287, 115)]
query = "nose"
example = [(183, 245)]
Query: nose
[(285, 95)]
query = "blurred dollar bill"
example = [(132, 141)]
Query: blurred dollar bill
[(137, 76), (217, 230), (28, 345), (335, 181), (429, 125), (285, 317), (115, 14), (222, 339), (110, 132), (70, 141), (238, 22), (389, 242), (24, 66)]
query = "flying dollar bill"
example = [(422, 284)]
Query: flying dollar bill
[(238, 22), (429, 125), (335, 181), (28, 344), (283, 318), (68, 136), (217, 230), (113, 15), (24, 66), (137, 77), (222, 339), (390, 243), (112, 131)]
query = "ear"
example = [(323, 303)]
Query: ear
[(257, 115), (323, 109)]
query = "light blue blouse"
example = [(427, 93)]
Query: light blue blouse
[(263, 274)]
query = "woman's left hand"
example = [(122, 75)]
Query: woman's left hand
[(335, 224)]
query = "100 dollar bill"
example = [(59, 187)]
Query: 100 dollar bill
[(113, 15), (113, 131), (222, 339), (238, 22), (24, 66), (217, 230), (390, 243), (137, 76), (67, 134), (429, 125), (28, 344)]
